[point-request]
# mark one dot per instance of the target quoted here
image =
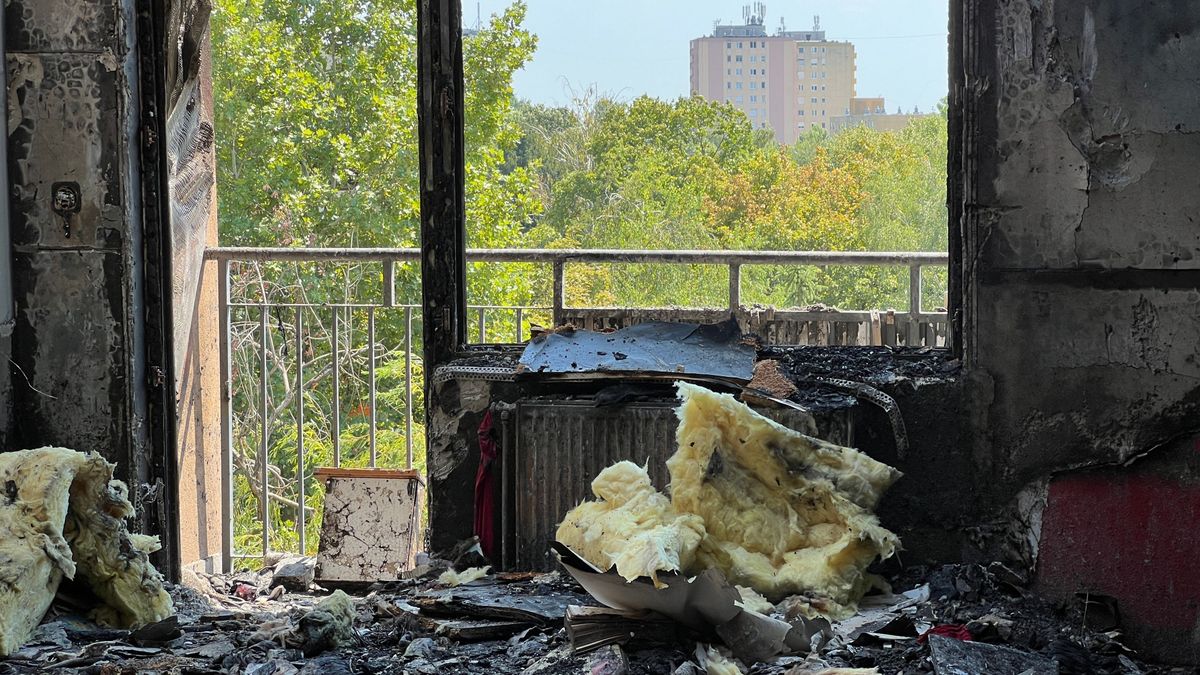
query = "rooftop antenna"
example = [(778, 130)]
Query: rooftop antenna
[(816, 22), (782, 25), (478, 17)]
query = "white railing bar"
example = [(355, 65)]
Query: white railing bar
[(300, 515), (226, 417), (408, 388), (264, 473), (336, 344), (535, 255), (371, 383)]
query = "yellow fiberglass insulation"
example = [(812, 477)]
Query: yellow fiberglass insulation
[(783, 513), (62, 514), (632, 527), (773, 509)]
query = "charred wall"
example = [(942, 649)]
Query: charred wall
[(71, 85), (99, 176), (1081, 251), (1083, 243)]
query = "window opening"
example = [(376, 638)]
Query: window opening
[(326, 155)]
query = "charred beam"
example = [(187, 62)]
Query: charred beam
[(443, 222)]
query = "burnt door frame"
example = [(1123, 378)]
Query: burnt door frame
[(442, 154), (161, 513)]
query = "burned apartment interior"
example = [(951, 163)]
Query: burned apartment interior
[(675, 496)]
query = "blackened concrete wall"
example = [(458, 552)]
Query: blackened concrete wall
[(71, 76), (1082, 252)]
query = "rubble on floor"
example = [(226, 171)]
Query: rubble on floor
[(514, 623), (63, 516)]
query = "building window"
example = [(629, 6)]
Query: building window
[(739, 58), (753, 44), (737, 71), (801, 113), (739, 45), (802, 50), (754, 99), (729, 85), (753, 71), (822, 113), (739, 99), (753, 58), (814, 88), (728, 45), (739, 86), (814, 99), (763, 86), (754, 112), (764, 72), (822, 125), (753, 85), (800, 126), (800, 75), (728, 59), (814, 62)]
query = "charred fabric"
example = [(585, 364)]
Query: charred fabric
[(762, 555)]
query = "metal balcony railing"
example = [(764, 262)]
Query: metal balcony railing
[(292, 362)]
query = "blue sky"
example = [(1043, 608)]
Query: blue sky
[(901, 44)]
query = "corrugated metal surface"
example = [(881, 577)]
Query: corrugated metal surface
[(560, 446)]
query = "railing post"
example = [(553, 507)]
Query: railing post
[(300, 516), (520, 327), (389, 282), (371, 382), (735, 287), (264, 474), (560, 283), (226, 417), (337, 389), (914, 304), (408, 389)]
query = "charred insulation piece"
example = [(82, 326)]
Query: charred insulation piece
[(772, 509), (62, 514)]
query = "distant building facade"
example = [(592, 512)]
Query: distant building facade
[(871, 113), (788, 82)]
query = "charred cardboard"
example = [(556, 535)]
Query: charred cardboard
[(706, 602)]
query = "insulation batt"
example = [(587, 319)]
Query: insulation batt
[(63, 515), (773, 509), (632, 527), (452, 578)]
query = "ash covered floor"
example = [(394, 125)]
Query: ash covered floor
[(514, 624)]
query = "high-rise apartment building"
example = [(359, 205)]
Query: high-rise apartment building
[(788, 82)]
